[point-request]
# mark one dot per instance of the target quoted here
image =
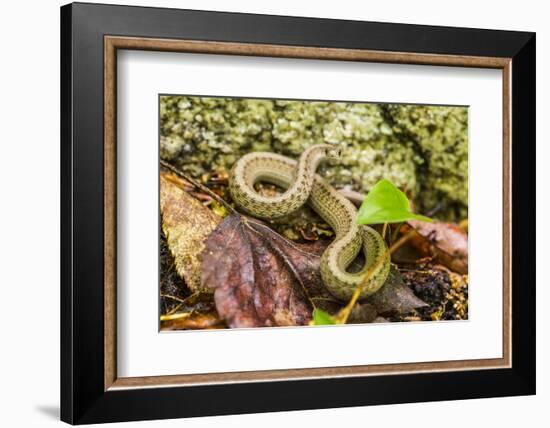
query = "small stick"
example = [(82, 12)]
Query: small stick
[(175, 316), (198, 185), (354, 197), (181, 301), (396, 231)]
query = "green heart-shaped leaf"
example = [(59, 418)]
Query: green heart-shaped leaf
[(385, 203)]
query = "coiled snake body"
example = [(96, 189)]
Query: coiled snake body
[(303, 185)]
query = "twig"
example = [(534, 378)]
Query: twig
[(328, 299), (175, 316), (354, 197), (169, 296), (181, 301), (435, 210), (395, 231), (415, 270), (198, 185)]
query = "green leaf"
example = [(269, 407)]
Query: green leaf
[(320, 317), (385, 203)]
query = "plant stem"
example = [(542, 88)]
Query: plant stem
[(181, 301), (396, 231)]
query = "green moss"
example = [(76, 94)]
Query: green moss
[(421, 149), (439, 136)]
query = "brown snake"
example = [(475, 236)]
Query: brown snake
[(303, 185)]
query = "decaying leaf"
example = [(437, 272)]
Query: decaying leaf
[(259, 277), (172, 289), (186, 223), (362, 313), (446, 242), (395, 296)]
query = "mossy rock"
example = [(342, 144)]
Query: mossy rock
[(421, 149)]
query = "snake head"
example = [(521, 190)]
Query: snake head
[(333, 152)]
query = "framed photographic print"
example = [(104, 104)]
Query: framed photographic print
[(275, 213)]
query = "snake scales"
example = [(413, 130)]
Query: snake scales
[(303, 185)]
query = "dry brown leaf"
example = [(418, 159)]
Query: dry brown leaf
[(362, 313), (447, 242), (395, 296), (186, 223), (259, 277)]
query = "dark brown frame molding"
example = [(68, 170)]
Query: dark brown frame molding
[(114, 43)]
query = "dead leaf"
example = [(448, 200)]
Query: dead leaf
[(186, 223), (362, 313), (259, 277), (395, 296), (447, 242), (171, 284)]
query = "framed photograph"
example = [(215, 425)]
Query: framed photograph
[(265, 213)]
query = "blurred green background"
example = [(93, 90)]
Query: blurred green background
[(421, 149)]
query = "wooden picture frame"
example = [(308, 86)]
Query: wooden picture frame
[(91, 391)]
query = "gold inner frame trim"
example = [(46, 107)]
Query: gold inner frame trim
[(113, 43)]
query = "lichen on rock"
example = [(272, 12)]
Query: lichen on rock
[(421, 149)]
